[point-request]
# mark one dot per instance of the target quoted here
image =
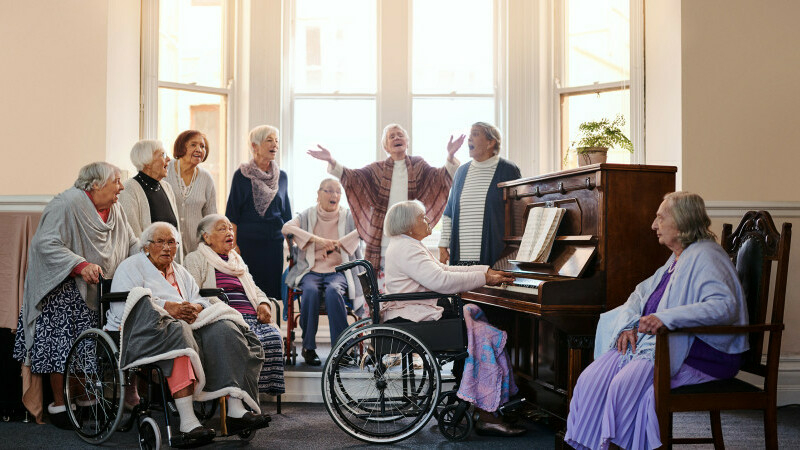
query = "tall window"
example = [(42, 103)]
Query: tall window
[(593, 70), (193, 79), (346, 81)]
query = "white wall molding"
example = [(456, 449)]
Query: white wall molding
[(738, 208), (24, 202), (788, 380)]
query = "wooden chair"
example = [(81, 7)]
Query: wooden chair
[(754, 247)]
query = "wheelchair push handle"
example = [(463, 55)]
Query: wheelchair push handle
[(370, 271)]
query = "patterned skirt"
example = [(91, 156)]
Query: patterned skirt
[(270, 380), (64, 317)]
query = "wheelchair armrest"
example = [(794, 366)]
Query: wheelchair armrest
[(211, 292), (427, 295), (113, 297)]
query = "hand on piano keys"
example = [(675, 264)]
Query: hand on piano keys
[(523, 285), (495, 278)]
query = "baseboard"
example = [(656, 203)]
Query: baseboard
[(738, 208), (788, 380)]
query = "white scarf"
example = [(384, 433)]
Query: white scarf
[(234, 266)]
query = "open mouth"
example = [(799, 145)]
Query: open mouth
[(471, 147), (229, 240), (197, 155)]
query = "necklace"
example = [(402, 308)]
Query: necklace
[(671, 267), (185, 190)]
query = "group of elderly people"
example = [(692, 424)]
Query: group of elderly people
[(208, 349)]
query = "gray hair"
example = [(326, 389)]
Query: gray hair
[(143, 151), (261, 133), (385, 133), (689, 212), (329, 180), (401, 217), (147, 234), (95, 175), (491, 132), (207, 223)]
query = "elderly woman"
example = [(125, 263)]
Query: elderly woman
[(373, 189), (196, 196), (147, 197), (613, 401), (473, 223), (410, 267), (82, 234), (327, 237), (258, 206), (205, 350), (215, 265)]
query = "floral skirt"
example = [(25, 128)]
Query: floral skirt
[(270, 380), (64, 317)]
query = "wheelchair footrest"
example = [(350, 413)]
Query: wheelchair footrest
[(511, 406)]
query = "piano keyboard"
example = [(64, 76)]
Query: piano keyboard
[(523, 285)]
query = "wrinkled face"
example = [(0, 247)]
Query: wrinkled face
[(107, 195), (195, 150), (481, 148), (220, 239), (666, 228), (421, 228), (158, 166), (396, 143), (266, 151), (329, 195), (162, 247)]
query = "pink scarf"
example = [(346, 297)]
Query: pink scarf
[(327, 227), (265, 184)]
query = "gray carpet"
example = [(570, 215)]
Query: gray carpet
[(310, 426)]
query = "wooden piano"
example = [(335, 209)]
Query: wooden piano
[(605, 246)]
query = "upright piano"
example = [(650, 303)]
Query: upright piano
[(604, 248)]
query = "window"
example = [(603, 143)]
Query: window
[(190, 72), (593, 74), (357, 65)]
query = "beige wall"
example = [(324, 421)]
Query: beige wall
[(58, 79), (740, 89)]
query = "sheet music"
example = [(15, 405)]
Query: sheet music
[(540, 233)]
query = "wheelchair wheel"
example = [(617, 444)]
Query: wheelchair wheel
[(247, 436), (455, 421), (353, 327), (378, 396), (94, 386), (149, 434)]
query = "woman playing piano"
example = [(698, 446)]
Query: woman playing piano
[(487, 381), (473, 223), (613, 401)]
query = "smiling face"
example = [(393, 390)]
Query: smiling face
[(157, 169), (396, 143), (195, 151), (481, 147), (220, 239), (265, 152), (328, 195), (666, 228), (161, 249), (104, 197)]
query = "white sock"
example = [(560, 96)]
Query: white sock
[(186, 411), (235, 407)]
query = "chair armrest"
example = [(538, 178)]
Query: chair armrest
[(277, 305), (114, 297), (210, 292), (724, 329)]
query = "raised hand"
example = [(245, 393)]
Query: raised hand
[(323, 154), (453, 146)]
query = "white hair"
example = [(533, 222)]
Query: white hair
[(95, 175), (207, 223), (143, 151), (401, 217), (385, 134), (147, 234), (261, 133)]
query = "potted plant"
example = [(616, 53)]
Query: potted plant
[(597, 137)]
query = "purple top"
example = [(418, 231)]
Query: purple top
[(702, 356), (234, 290)]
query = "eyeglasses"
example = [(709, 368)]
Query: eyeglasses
[(339, 193), (172, 243)]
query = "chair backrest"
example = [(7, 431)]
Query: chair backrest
[(754, 247)]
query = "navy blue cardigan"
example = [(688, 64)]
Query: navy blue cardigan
[(493, 215)]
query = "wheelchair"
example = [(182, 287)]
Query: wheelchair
[(94, 388), (382, 382)]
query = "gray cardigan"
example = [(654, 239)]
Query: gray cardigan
[(201, 201), (134, 202), (304, 259)]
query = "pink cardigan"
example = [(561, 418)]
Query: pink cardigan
[(410, 267)]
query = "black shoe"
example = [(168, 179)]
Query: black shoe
[(61, 420), (498, 429), (200, 433), (249, 421), (311, 357)]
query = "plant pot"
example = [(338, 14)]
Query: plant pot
[(592, 155)]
